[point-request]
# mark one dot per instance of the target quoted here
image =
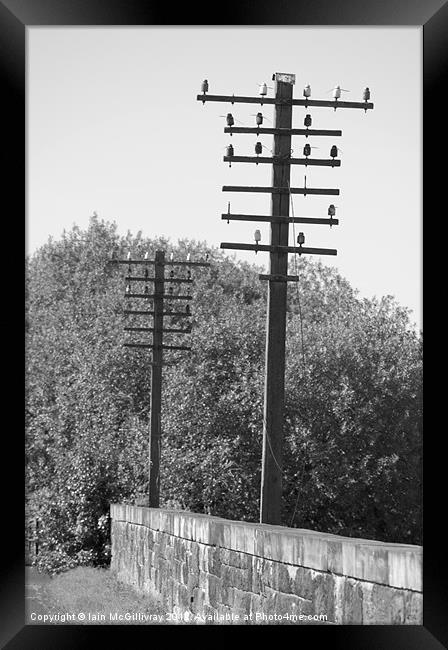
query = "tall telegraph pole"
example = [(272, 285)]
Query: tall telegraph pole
[(274, 391), (280, 190)]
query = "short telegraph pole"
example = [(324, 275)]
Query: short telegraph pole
[(162, 309), (156, 382)]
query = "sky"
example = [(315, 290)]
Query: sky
[(114, 127)]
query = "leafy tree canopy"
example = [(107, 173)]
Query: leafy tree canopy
[(352, 453)]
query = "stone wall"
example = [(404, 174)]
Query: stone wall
[(208, 569)]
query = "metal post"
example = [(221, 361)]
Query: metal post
[(274, 394), (156, 382)]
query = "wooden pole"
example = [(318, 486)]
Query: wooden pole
[(274, 392), (156, 383)]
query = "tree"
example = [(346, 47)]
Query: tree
[(352, 459)]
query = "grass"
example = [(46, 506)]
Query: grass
[(97, 595)]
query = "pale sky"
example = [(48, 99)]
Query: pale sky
[(113, 127)]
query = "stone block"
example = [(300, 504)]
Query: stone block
[(278, 544), (227, 575), (225, 614), (238, 559), (180, 551), (269, 603), (285, 578), (268, 575), (288, 604), (197, 604), (256, 604), (176, 523), (210, 614), (166, 524), (202, 579), (303, 583), (193, 559), (225, 534), (352, 603), (405, 568), (246, 580), (168, 594), (213, 590), (202, 530), (224, 555), (203, 558), (150, 537), (377, 604), (162, 544), (306, 607), (176, 570), (157, 581), (216, 534), (164, 572), (213, 560), (242, 538), (169, 554), (398, 607), (184, 573), (334, 557), (315, 552), (323, 598), (256, 574), (192, 582), (175, 594), (413, 608), (348, 559), (241, 602), (238, 578), (182, 597), (227, 593), (371, 563)]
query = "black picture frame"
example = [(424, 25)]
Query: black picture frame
[(15, 16)]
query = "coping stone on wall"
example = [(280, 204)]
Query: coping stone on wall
[(395, 565)]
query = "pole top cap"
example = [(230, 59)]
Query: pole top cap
[(286, 78)]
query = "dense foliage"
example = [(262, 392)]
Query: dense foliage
[(352, 455)]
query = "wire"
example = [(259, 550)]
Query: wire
[(270, 446), (300, 318), (295, 509), (297, 274)]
